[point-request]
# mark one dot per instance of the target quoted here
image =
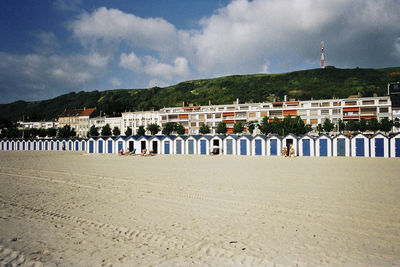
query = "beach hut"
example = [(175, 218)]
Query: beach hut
[(119, 143), (40, 144), (91, 147), (77, 144), (379, 144), (323, 146), (341, 146), (28, 144), (306, 146), (155, 143), (69, 145), (230, 145), (203, 145), (273, 145), (179, 144), (52, 144), (83, 144), (259, 145), (191, 144), (290, 140), (35, 145), (244, 145), (101, 145), (359, 145), (12, 145), (216, 143), (167, 144), (109, 144), (23, 144), (46, 145), (2, 145), (143, 143), (17, 145), (395, 146)]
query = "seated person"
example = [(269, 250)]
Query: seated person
[(291, 152), (215, 151), (143, 152), (133, 152), (284, 152), (121, 152), (127, 151)]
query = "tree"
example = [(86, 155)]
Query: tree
[(238, 128), (42, 132), (352, 126), (386, 125), (341, 125), (66, 132), (153, 128), (116, 131), (141, 131), (373, 125), (93, 131), (51, 132), (299, 126), (128, 131), (221, 128), (265, 126), (251, 126), (106, 130), (204, 129), (308, 128), (169, 128), (276, 127), (362, 125), (320, 128), (180, 129), (328, 126)]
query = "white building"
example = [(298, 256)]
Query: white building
[(139, 118)]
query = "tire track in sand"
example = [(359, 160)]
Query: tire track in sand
[(10, 257)]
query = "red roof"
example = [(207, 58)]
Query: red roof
[(87, 111), (78, 112)]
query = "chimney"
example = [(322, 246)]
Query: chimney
[(237, 101), (285, 98)]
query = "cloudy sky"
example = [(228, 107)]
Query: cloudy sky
[(48, 48)]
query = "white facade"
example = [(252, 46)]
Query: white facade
[(136, 119)]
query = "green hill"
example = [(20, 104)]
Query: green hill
[(302, 85)]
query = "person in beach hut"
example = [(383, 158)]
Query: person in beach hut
[(127, 151), (291, 152), (133, 152), (121, 152), (215, 151), (144, 150), (284, 152)]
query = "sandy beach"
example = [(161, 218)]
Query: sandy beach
[(76, 209)]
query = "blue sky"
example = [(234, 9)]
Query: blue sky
[(50, 48)]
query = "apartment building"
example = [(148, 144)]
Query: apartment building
[(78, 119), (311, 112), (37, 125), (139, 118), (100, 121)]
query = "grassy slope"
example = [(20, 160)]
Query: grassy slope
[(303, 85)]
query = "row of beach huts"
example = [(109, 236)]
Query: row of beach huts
[(359, 145)]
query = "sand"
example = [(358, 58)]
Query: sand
[(76, 209)]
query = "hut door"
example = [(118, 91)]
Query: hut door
[(323, 147), (397, 147), (23, 146), (191, 146), (341, 147), (306, 147), (379, 147), (166, 147), (243, 147), (90, 146), (203, 150), (229, 146), (12, 146), (289, 143), (142, 145), (83, 146), (258, 147), (69, 146), (120, 144), (100, 146), (178, 147), (274, 147), (130, 144), (110, 145), (155, 146), (360, 147)]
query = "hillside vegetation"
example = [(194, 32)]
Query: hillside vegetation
[(303, 85)]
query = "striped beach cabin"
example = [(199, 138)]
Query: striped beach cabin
[(290, 140), (323, 146), (52, 144), (143, 143), (244, 145), (203, 145), (359, 145), (110, 145), (179, 144), (131, 143), (12, 145), (191, 144), (167, 144), (119, 143), (230, 144), (379, 144), (155, 143), (91, 148), (306, 146), (217, 142), (341, 146), (395, 146), (2, 145), (258, 145), (273, 145)]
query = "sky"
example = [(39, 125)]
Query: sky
[(49, 48)]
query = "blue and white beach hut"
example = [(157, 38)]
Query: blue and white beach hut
[(46, 145), (119, 143), (216, 143), (12, 145), (191, 144), (143, 143), (52, 144), (167, 144), (18, 145), (323, 146), (109, 149), (35, 145), (132, 144), (290, 140), (179, 144), (83, 144), (91, 145), (359, 145), (395, 146), (70, 145), (204, 145), (77, 144), (273, 145), (101, 145), (155, 143), (40, 144), (259, 145), (230, 144), (2, 145), (23, 144), (244, 145), (306, 146), (28, 144), (341, 146), (379, 144)]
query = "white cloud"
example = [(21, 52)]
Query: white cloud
[(113, 25), (47, 43), (115, 82), (130, 62)]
